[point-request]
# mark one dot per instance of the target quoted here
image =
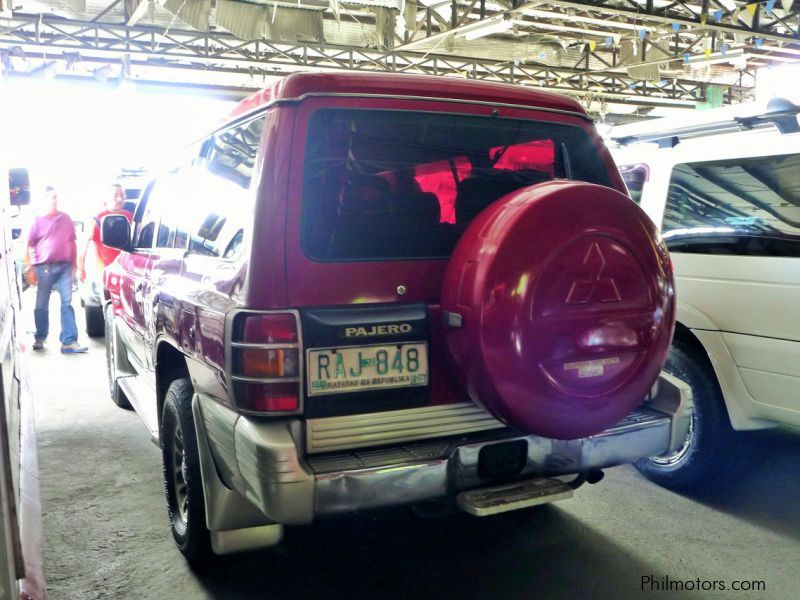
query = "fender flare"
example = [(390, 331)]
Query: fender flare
[(739, 404)]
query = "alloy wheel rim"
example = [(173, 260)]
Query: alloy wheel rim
[(179, 474), (668, 460)]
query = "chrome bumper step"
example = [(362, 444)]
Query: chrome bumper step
[(514, 496)]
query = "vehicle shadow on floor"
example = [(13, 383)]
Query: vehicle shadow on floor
[(762, 485), (541, 552)]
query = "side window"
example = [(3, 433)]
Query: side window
[(147, 226), (161, 213), (635, 177), (221, 189), (747, 206), (169, 199), (167, 196)]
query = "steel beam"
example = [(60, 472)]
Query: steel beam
[(242, 61)]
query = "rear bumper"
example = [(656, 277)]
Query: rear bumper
[(263, 461)]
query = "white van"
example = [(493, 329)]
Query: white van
[(724, 185)]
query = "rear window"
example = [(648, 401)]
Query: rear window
[(745, 206), (382, 185)]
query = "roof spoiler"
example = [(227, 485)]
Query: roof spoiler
[(780, 113)]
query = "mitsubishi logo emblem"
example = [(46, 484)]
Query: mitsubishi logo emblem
[(594, 287)]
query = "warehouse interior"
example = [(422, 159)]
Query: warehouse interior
[(94, 92)]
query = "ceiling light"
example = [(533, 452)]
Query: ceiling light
[(731, 56)]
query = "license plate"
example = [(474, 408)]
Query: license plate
[(361, 368)]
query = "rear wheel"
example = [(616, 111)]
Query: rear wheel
[(117, 395), (95, 323), (708, 444), (182, 481)]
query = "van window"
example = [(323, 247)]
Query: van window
[(740, 206), (222, 201), (398, 184)]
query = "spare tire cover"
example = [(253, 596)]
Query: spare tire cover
[(566, 303)]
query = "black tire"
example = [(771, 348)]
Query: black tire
[(95, 323), (708, 445), (183, 483), (117, 395)]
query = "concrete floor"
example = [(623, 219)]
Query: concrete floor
[(106, 531)]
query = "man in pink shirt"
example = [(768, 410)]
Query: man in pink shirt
[(53, 251)]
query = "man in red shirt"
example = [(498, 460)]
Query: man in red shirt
[(52, 249), (96, 256)]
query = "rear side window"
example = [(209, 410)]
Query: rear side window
[(223, 202), (747, 206), (147, 227), (382, 185)]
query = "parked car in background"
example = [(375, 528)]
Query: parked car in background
[(375, 290), (724, 186)]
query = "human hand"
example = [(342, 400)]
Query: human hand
[(30, 276)]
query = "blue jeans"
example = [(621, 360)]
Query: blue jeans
[(60, 275)]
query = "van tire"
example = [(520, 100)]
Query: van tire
[(117, 395), (710, 440), (95, 323), (183, 484)]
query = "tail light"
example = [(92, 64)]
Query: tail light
[(265, 361)]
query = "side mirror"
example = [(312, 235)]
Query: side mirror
[(115, 232), (19, 186)]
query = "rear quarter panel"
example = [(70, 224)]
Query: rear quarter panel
[(202, 296)]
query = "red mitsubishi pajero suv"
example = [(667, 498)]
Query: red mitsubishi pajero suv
[(371, 290)]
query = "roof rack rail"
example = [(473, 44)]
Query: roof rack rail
[(780, 113)]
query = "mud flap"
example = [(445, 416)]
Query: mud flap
[(234, 523)]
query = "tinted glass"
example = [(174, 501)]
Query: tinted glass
[(164, 195), (147, 226), (739, 206), (392, 184), (222, 204)]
